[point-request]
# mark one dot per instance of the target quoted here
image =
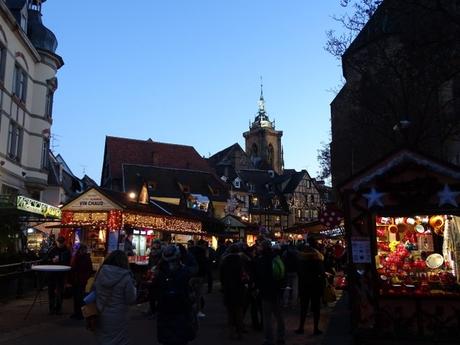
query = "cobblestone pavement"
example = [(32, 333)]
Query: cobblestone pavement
[(40, 328)]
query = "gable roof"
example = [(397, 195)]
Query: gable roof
[(119, 151), (167, 182), (222, 157), (397, 159), (63, 178), (233, 156)]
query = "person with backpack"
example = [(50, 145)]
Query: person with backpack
[(289, 257), (311, 284), (269, 270), (176, 322)]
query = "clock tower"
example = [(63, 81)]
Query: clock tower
[(263, 142)]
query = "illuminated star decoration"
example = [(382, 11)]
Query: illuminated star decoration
[(373, 198), (447, 197)]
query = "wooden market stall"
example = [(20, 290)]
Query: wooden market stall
[(101, 218), (403, 227)]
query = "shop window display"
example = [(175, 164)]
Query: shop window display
[(418, 255)]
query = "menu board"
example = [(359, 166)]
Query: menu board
[(361, 250)]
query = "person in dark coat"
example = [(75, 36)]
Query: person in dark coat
[(271, 295), (58, 255), (311, 284), (176, 322), (82, 269), (115, 291), (154, 260), (197, 281), (290, 263), (234, 279), (129, 246)]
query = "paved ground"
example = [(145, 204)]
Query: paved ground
[(40, 328)]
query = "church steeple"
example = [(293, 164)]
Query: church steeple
[(263, 142), (262, 119), (261, 99)]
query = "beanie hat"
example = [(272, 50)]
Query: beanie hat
[(171, 253)]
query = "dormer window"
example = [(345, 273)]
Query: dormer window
[(251, 187), (152, 185), (237, 183)]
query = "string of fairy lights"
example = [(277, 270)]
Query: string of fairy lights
[(116, 219)]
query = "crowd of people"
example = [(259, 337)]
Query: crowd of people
[(258, 281)]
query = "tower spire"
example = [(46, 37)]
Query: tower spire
[(261, 99)]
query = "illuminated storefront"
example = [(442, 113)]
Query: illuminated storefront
[(403, 230), (102, 218)]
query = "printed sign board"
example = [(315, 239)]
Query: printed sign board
[(92, 200)]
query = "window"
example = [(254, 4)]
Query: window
[(254, 150), (270, 154), (152, 185), (14, 141), (7, 190), (237, 183), (45, 153), (49, 104), (2, 63), (20, 83)]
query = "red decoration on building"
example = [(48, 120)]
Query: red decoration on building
[(331, 217), (115, 220), (67, 217)]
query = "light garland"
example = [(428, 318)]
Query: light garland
[(90, 217), (162, 223), (116, 219)]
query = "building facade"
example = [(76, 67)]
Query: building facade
[(402, 87), (28, 68)]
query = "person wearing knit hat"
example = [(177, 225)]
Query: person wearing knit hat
[(176, 322)]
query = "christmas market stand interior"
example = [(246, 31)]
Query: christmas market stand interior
[(102, 219), (403, 228)]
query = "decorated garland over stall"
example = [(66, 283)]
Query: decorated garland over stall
[(116, 219)]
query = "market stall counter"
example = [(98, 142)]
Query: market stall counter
[(403, 230)]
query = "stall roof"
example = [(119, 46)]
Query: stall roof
[(394, 161), (114, 200), (312, 227)]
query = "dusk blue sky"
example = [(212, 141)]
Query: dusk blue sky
[(187, 72)]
